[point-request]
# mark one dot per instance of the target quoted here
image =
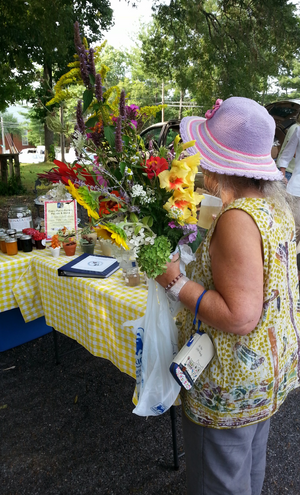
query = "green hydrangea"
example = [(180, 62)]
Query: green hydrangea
[(152, 259)]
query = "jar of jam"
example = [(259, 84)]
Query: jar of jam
[(19, 236), (26, 243), (11, 246), (2, 243)]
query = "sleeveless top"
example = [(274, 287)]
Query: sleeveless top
[(250, 376)]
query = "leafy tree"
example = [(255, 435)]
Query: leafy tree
[(38, 33), (222, 48)]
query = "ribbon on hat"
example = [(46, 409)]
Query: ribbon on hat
[(216, 106)]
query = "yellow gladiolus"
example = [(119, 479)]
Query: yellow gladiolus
[(76, 195), (188, 145)]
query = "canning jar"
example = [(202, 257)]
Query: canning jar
[(26, 243), (11, 246), (19, 218), (2, 243)]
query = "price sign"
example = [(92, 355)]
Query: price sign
[(59, 214)]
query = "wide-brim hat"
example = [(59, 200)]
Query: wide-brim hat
[(235, 138)]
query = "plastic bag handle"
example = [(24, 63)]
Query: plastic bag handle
[(196, 310)]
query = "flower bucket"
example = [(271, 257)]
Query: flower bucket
[(69, 248)]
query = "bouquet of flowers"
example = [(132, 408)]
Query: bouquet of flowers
[(143, 201)]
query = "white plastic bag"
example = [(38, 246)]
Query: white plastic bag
[(156, 345)]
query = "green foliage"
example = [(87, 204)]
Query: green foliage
[(219, 49), (51, 154), (153, 259), (13, 187)]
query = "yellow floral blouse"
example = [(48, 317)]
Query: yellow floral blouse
[(250, 376)]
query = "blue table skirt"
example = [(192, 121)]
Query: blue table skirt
[(14, 331)]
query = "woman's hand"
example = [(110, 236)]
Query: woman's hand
[(173, 269)]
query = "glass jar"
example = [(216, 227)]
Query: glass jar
[(132, 277), (26, 243), (18, 236), (11, 246), (11, 232), (2, 243), (40, 243), (19, 218)]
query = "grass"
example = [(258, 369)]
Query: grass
[(29, 173)]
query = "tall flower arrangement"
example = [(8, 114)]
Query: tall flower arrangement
[(140, 200)]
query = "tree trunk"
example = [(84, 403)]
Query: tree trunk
[(49, 137)]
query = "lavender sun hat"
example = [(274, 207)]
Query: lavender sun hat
[(235, 138)]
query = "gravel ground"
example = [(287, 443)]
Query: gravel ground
[(69, 429)]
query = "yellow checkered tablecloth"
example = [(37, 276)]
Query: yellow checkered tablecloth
[(91, 311), (11, 269)]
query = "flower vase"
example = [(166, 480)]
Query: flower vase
[(69, 248)]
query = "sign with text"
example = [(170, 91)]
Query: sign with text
[(59, 214)]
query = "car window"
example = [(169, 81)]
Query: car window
[(171, 135), (151, 135)]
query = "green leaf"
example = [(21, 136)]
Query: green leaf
[(137, 229), (91, 122), (145, 220), (133, 217), (88, 96), (122, 167), (109, 133), (126, 140), (92, 79)]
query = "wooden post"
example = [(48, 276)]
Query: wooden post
[(17, 166), (11, 166), (3, 162)]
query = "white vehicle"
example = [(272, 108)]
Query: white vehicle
[(31, 155)]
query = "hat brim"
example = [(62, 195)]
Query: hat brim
[(218, 158)]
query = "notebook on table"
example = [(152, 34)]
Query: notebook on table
[(90, 266)]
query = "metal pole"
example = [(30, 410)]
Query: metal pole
[(3, 136), (162, 101)]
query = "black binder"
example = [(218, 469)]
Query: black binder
[(96, 266)]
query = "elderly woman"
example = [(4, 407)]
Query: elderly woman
[(245, 276)]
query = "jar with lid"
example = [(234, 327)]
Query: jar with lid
[(132, 277), (26, 243), (19, 218), (11, 232), (19, 242), (2, 243), (11, 246)]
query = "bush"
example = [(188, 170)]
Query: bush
[(13, 187), (51, 154)]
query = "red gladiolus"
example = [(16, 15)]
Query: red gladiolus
[(155, 165)]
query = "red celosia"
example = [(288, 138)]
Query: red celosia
[(107, 206), (155, 165)]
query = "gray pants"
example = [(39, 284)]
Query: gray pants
[(225, 462)]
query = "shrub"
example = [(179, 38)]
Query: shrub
[(13, 187)]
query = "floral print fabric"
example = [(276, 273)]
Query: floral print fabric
[(250, 376)]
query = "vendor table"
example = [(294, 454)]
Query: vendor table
[(90, 311)]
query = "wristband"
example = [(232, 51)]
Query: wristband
[(173, 292)]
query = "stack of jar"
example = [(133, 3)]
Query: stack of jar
[(12, 241)]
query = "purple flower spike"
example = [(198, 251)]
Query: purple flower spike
[(118, 137), (122, 103), (98, 89), (79, 117), (77, 38), (92, 62)]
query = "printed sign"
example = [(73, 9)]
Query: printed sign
[(59, 214)]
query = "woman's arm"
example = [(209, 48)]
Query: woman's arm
[(289, 150), (235, 305)]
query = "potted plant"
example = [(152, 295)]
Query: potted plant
[(68, 240), (55, 246), (90, 232), (87, 244)]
